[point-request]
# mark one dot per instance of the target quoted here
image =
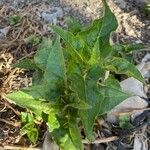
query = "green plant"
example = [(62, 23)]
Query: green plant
[(124, 121), (73, 79), (13, 20), (33, 40), (29, 127)]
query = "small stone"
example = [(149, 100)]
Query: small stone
[(4, 31), (51, 15), (133, 86), (132, 103)]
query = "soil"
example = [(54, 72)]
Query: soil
[(134, 26)]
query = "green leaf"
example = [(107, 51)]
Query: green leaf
[(75, 133), (33, 135), (13, 20), (109, 22), (37, 77), (122, 66), (124, 122), (25, 64), (32, 39), (133, 47), (95, 56), (88, 92), (73, 25), (77, 103), (55, 72), (42, 53), (27, 101), (90, 34), (76, 44), (58, 128), (112, 97), (27, 117)]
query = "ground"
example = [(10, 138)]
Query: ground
[(134, 26)]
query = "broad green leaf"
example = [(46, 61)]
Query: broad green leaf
[(122, 66), (75, 133), (109, 22), (96, 73), (33, 135), (76, 44), (95, 56), (112, 97), (25, 64), (37, 77), (87, 91), (73, 25), (27, 101), (77, 103), (55, 72), (37, 92), (91, 33), (42, 53), (112, 82), (58, 128)]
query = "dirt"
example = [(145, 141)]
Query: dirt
[(134, 26)]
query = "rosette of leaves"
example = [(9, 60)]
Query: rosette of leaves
[(70, 83)]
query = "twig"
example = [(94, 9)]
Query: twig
[(10, 123), (20, 148), (102, 140)]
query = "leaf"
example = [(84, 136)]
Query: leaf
[(112, 97), (122, 66), (25, 64), (77, 103), (88, 92), (42, 53), (75, 133), (33, 135), (91, 33), (13, 20), (58, 128), (95, 56), (55, 72), (27, 117), (109, 22), (73, 25), (27, 101), (124, 122), (76, 44), (32, 39), (133, 47), (37, 77)]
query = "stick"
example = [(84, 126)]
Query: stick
[(102, 140), (19, 148)]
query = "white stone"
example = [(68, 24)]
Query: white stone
[(51, 15), (134, 87), (128, 105)]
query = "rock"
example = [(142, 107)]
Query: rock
[(133, 86), (122, 4), (4, 31), (132, 103), (144, 66), (51, 15), (48, 143)]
